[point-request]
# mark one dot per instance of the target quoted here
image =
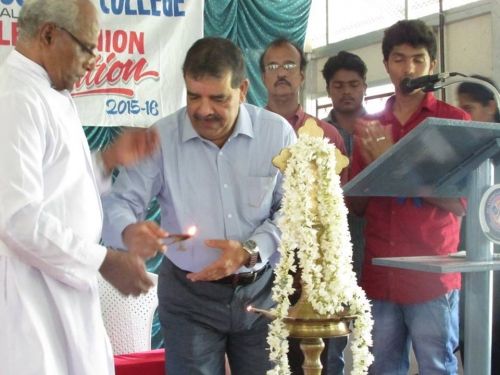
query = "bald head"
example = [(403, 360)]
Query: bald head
[(69, 14), (61, 37)]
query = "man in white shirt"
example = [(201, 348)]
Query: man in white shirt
[(50, 210)]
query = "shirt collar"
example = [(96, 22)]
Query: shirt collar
[(332, 116), (18, 59), (294, 119), (187, 130), (429, 103), (243, 124), (298, 118)]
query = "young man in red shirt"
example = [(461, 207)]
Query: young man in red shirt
[(408, 306)]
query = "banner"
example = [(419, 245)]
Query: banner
[(138, 74)]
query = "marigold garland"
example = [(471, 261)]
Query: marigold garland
[(313, 208)]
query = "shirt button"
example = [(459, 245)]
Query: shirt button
[(225, 186), (229, 216), (221, 153)]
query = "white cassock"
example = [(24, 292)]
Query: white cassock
[(50, 226)]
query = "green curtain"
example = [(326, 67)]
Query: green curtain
[(252, 24)]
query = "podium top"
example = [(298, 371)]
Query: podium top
[(433, 160)]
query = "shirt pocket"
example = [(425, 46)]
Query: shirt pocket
[(260, 191)]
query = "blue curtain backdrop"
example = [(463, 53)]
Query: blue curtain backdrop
[(250, 24)]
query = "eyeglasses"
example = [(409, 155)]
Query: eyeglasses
[(273, 67), (83, 46)]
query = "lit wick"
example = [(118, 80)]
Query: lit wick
[(192, 230), (177, 237), (266, 313)]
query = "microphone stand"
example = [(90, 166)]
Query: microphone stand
[(458, 78)]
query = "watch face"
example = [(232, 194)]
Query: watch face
[(251, 248), (489, 213), (250, 244)]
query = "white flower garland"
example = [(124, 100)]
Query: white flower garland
[(312, 202)]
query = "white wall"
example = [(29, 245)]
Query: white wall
[(468, 47), (472, 45)]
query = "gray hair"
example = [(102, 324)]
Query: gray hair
[(214, 57), (34, 13)]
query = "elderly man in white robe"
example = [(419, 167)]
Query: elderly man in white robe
[(50, 210)]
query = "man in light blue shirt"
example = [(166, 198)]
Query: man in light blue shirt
[(213, 171)]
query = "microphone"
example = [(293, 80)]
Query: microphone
[(426, 83)]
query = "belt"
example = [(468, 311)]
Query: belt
[(237, 279), (245, 278)]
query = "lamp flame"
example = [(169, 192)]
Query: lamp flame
[(192, 230), (268, 314)]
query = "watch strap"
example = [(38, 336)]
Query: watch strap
[(250, 246)]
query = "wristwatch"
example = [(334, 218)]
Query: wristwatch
[(250, 246)]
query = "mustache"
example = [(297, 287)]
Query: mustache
[(212, 117), (282, 80), (347, 97)]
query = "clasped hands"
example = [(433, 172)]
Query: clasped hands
[(373, 139)]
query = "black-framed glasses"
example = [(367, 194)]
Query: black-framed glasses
[(273, 67), (83, 46)]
